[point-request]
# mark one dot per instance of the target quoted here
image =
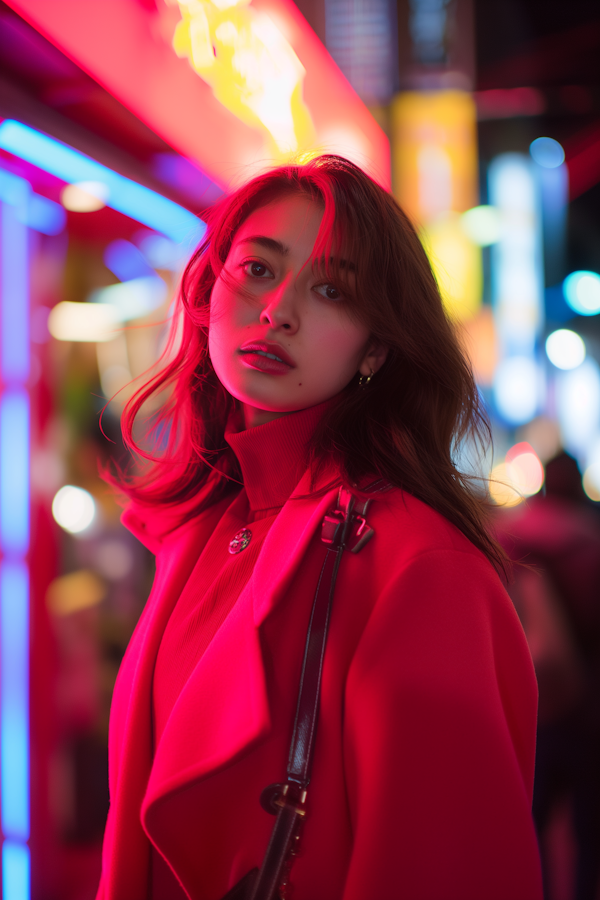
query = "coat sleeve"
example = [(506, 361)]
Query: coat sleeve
[(439, 740)]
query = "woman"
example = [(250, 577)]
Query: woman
[(315, 352)]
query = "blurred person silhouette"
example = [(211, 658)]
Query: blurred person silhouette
[(556, 593)]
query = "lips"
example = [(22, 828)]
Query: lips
[(266, 356)]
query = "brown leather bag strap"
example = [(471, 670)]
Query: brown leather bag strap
[(341, 527), (334, 531)]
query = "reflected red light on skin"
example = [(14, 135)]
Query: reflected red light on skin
[(281, 338)]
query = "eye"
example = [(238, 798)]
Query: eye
[(329, 291), (256, 269)]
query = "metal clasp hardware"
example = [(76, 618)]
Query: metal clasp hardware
[(276, 796), (296, 803), (332, 528), (360, 535)]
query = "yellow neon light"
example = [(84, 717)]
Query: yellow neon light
[(435, 179), (250, 66), (435, 153), (456, 262)]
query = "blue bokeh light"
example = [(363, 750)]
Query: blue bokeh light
[(547, 152), (126, 261), (35, 211), (582, 292)]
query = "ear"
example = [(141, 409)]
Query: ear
[(373, 359)]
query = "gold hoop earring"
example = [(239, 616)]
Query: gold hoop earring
[(364, 380)]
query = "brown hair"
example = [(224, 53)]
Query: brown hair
[(409, 424)]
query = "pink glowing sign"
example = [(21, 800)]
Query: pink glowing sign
[(234, 86)]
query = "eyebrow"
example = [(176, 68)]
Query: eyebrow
[(273, 244), (267, 242)]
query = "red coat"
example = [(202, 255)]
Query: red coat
[(424, 757)]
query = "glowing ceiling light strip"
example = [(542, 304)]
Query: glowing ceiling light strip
[(14, 546), (126, 196)]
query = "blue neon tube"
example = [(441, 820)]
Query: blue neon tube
[(14, 699), (35, 211), (14, 295), (14, 472), (126, 196), (15, 215), (16, 871)]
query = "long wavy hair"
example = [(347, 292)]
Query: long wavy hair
[(409, 424)]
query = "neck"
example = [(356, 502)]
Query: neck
[(254, 416)]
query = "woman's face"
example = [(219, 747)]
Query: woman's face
[(281, 337)]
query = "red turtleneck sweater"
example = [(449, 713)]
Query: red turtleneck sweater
[(272, 459)]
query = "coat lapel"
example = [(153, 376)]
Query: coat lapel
[(125, 855), (224, 708)]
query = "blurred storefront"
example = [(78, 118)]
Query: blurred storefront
[(121, 123)]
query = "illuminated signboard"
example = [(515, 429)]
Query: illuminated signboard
[(235, 86), (435, 180), (251, 68)]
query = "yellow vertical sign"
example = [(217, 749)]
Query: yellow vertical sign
[(434, 163)]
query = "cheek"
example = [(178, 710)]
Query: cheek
[(343, 342)]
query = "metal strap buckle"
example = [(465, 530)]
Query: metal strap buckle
[(278, 796), (359, 533)]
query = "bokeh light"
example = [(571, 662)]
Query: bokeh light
[(516, 389), (482, 224), (565, 349), (85, 196), (160, 252), (501, 490), (94, 322), (520, 475), (126, 261), (543, 433), (73, 508), (582, 292), (525, 469), (547, 152), (591, 482), (577, 399)]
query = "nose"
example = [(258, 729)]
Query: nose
[(281, 308)]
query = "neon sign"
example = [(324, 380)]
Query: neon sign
[(250, 66), (435, 169), (269, 92)]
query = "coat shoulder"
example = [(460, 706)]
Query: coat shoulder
[(415, 528)]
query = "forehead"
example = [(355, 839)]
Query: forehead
[(293, 220)]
